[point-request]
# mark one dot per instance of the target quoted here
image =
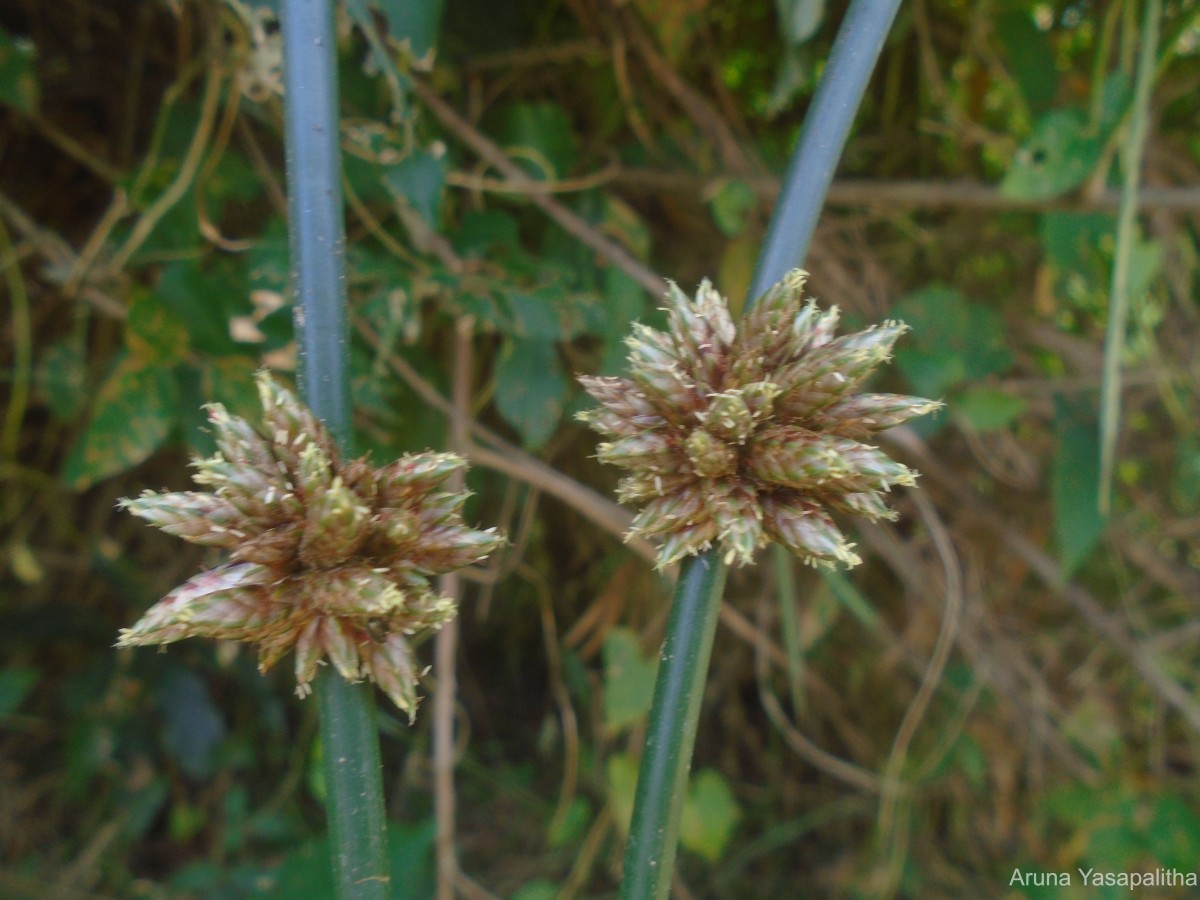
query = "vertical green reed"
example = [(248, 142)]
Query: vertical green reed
[(671, 729), (354, 787)]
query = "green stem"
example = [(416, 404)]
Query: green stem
[(671, 729), (1118, 305), (353, 779), (354, 787)]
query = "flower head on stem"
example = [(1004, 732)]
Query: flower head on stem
[(738, 435), (327, 558)]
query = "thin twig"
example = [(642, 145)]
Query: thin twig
[(897, 836), (558, 186), (586, 49), (734, 158), (59, 254), (562, 698), (1119, 299), (98, 166), (914, 193), (446, 647), (22, 336), (188, 168), (117, 209)]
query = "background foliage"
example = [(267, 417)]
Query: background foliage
[(1006, 683)]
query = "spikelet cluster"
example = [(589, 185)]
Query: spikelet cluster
[(329, 559), (742, 435)]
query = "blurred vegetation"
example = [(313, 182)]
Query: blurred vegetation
[(1009, 680)]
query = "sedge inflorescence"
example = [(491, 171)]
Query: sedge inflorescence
[(738, 435), (327, 558)]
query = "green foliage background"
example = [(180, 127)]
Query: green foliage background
[(145, 269)]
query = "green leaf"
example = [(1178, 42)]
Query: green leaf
[(574, 824), (417, 179), (414, 21), (795, 73), (710, 813), (1031, 57), (731, 207), (538, 889), (1072, 243), (132, 416), (142, 804), (628, 679), (1115, 95), (531, 388), (205, 300), (15, 685), (268, 262), (622, 772), (1174, 832), (18, 77), (482, 231), (620, 220), (987, 409), (1059, 156), (193, 728), (152, 332), (1075, 485), (537, 315), (952, 341), (1145, 262), (60, 376), (799, 19), (539, 137)]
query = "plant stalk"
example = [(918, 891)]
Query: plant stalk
[(687, 648), (1119, 299), (354, 785), (671, 730)]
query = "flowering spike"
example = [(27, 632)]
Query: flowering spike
[(200, 518), (225, 602), (808, 532), (728, 416), (390, 665), (414, 475), (737, 436), (341, 647), (329, 559), (649, 450), (337, 524), (738, 515), (860, 415), (239, 441), (710, 457)]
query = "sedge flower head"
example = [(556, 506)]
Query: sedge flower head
[(738, 435), (327, 558)]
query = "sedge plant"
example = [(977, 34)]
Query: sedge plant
[(737, 436), (329, 558)]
